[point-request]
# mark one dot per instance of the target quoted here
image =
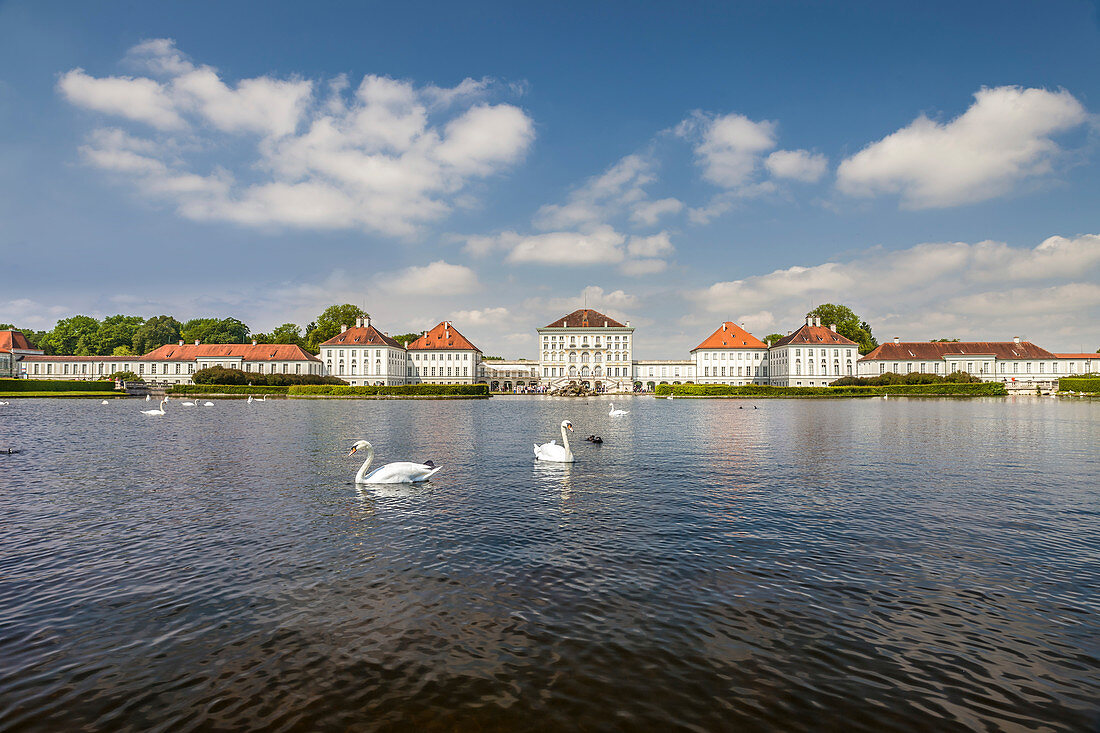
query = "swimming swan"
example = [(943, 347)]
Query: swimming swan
[(187, 404), (401, 472), (156, 412), (617, 412), (207, 404), (552, 451)]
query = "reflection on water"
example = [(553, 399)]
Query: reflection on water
[(860, 564)]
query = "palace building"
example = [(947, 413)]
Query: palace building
[(443, 356), (812, 356), (363, 355), (731, 355), (588, 348), (992, 361)]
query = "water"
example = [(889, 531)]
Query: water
[(807, 565)]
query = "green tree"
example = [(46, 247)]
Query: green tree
[(123, 350), (329, 322), (113, 332), (848, 325), (944, 341), (773, 337), (72, 336), (215, 331), (284, 334), (155, 332), (404, 338)]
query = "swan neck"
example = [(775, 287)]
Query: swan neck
[(565, 439), (366, 464)]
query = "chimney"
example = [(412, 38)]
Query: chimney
[(897, 340), (769, 343), (366, 322), (723, 326), (1015, 339), (181, 342), (742, 325), (788, 332), (196, 342), (343, 328), (832, 327), (253, 342), (628, 324)]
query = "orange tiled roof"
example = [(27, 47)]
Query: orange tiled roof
[(586, 318), (1078, 356), (362, 336), (939, 349), (245, 352), (815, 336), (443, 336), (14, 340), (731, 336)]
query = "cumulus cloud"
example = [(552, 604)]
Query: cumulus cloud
[(649, 212), (987, 290), (601, 197), (800, 165), (602, 245), (729, 146), (482, 316), (1004, 138), (657, 245), (616, 303), (436, 278), (386, 156)]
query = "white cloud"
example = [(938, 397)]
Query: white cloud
[(657, 245), (602, 245), (482, 316), (615, 303), (801, 165), (141, 100), (986, 290), (387, 157), (1002, 139), (601, 197), (729, 146), (649, 212), (437, 278)]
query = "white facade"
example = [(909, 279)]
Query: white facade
[(812, 356), (731, 355), (651, 372), (510, 375), (443, 356), (1009, 362), (363, 355), (587, 348)]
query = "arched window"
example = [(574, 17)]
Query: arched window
[(584, 371), (572, 357), (584, 357), (572, 371)]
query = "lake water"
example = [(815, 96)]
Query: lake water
[(900, 564)]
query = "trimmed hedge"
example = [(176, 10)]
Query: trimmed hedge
[(767, 390), (893, 378), (221, 375), (424, 390), (226, 389), (53, 385), (1079, 384)]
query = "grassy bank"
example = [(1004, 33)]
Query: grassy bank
[(1079, 384), (467, 391), (979, 389)]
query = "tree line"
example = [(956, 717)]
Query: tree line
[(122, 335)]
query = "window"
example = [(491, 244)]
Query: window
[(178, 365), (152, 368)]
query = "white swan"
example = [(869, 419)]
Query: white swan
[(250, 400), (208, 403), (617, 412), (104, 402), (4, 403), (156, 412), (187, 404), (148, 397), (552, 451), (401, 472)]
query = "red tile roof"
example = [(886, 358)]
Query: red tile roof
[(1078, 356), (14, 340), (442, 337), (362, 336), (245, 352), (53, 357), (938, 350), (731, 336), (586, 318), (815, 336)]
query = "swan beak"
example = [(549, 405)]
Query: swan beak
[(353, 450), (570, 428)]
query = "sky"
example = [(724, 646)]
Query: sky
[(931, 165)]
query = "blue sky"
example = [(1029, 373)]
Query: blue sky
[(933, 166)]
